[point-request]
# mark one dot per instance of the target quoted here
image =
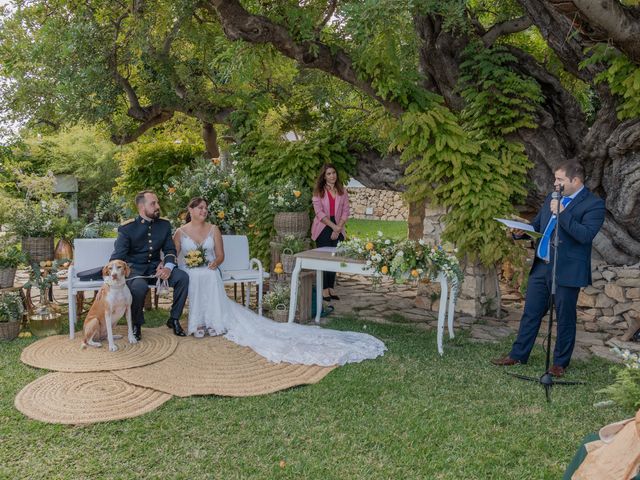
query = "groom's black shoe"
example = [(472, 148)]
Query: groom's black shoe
[(137, 332), (177, 328)]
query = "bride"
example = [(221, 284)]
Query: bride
[(211, 311)]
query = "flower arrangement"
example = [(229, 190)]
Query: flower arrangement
[(278, 295), (289, 196), (403, 260), (294, 244), (626, 389), (195, 258), (225, 193), (35, 214)]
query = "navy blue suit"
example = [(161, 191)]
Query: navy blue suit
[(139, 243), (578, 224)]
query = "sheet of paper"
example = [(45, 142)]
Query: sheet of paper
[(519, 225)]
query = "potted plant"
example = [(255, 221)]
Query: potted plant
[(33, 217), (290, 246), (290, 202), (11, 310), (66, 230), (44, 319), (277, 301), (10, 257)]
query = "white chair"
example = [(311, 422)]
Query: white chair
[(238, 267), (88, 253)]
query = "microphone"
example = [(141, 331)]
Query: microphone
[(557, 192)]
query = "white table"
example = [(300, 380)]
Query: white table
[(323, 260)]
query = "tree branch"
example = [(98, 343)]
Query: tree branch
[(331, 9), (151, 122), (239, 24), (504, 28), (621, 24)]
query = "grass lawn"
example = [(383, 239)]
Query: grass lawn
[(369, 228), (410, 414)]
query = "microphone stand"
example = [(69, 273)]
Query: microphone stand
[(546, 379)]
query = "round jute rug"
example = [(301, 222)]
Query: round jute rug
[(64, 355), (216, 366), (82, 398)]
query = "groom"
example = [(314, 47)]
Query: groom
[(139, 243)]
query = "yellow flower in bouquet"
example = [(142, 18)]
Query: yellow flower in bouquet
[(195, 258), (297, 193), (221, 215)]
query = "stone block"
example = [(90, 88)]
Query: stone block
[(585, 300), (591, 327), (603, 301), (608, 275), (624, 307), (606, 353), (628, 273), (615, 291), (596, 275), (606, 311), (632, 293), (629, 282), (591, 290), (609, 321)]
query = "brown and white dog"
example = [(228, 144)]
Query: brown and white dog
[(111, 303)]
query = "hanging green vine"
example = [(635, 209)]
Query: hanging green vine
[(467, 164)]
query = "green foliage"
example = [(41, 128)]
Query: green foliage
[(224, 191), (279, 294), (11, 307), (67, 228), (622, 76), (289, 195), (625, 391), (293, 245), (472, 169), (151, 167), (11, 256)]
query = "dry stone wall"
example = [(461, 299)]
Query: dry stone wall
[(370, 203)]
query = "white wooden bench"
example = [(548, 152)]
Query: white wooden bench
[(238, 267)]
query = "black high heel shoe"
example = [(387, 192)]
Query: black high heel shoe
[(335, 297), (327, 299)]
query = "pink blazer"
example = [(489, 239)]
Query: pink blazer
[(321, 207)]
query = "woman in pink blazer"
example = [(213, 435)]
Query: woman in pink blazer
[(331, 204)]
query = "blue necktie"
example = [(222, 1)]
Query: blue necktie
[(545, 241)]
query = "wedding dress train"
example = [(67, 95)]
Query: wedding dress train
[(209, 307)]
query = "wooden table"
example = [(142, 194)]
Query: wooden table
[(324, 260)]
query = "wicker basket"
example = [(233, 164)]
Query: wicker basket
[(288, 260), (280, 313), (9, 330), (7, 277), (38, 249), (291, 223)]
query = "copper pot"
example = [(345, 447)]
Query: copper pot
[(63, 249)]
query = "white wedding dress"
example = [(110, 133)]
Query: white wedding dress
[(209, 307)]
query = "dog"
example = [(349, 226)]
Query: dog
[(111, 303)]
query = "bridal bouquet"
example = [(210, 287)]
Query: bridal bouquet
[(196, 257)]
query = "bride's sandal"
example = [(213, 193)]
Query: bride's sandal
[(199, 333), (213, 332)]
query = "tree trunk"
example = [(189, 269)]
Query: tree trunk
[(210, 137)]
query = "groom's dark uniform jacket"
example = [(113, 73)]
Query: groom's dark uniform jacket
[(578, 224), (140, 243)]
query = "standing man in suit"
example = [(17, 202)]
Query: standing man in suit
[(580, 218), (139, 243)]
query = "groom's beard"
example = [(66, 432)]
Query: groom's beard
[(153, 215)]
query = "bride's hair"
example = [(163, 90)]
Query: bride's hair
[(193, 203)]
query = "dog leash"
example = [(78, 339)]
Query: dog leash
[(162, 286)]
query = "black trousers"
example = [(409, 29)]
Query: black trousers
[(178, 280), (324, 240)]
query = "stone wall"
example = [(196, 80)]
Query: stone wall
[(376, 204), (612, 303)]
